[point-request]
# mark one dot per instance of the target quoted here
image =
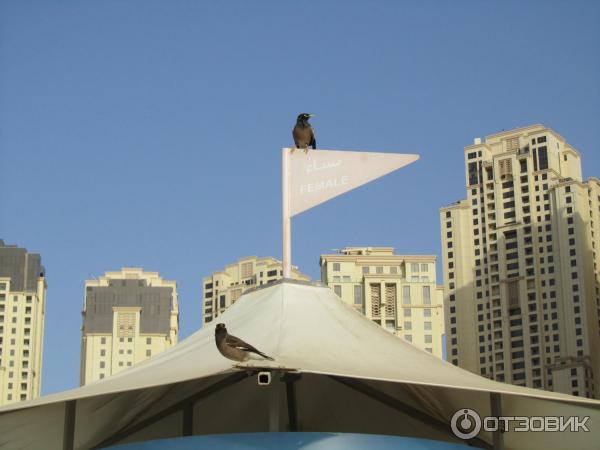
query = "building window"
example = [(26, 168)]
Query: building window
[(103, 352), (407, 325), (406, 295), (543, 158), (427, 312), (148, 341), (424, 267), (379, 269), (148, 353), (365, 270), (358, 294), (428, 339), (473, 173), (427, 295), (523, 164), (414, 267), (393, 269), (102, 364), (338, 290), (336, 267), (427, 325)]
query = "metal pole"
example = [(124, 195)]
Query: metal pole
[(496, 407), (285, 210), (188, 420), (69, 425), (274, 422)]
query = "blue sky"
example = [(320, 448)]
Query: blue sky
[(146, 133)]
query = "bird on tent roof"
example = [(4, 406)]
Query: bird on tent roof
[(234, 348), (304, 135)]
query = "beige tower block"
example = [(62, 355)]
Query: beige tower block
[(398, 292), (128, 317), (221, 289), (521, 268)]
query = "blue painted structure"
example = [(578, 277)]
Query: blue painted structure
[(292, 441)]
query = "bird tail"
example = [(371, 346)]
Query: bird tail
[(264, 356)]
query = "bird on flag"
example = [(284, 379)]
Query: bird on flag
[(304, 135), (234, 348)]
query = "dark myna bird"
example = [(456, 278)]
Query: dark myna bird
[(304, 135), (234, 348)]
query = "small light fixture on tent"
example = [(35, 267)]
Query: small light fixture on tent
[(264, 378), (311, 179)]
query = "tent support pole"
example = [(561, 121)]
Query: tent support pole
[(188, 419), (404, 408), (498, 439), (274, 420), (69, 426), (290, 389), (129, 430)]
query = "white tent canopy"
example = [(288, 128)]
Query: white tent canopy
[(334, 370)]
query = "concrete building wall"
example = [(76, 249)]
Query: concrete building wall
[(520, 264), (221, 289), (22, 312), (128, 317), (398, 292)]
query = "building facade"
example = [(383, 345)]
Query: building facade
[(398, 292), (521, 264), (221, 289), (128, 316), (22, 306)]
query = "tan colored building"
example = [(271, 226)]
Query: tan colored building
[(398, 292), (128, 316), (22, 306), (223, 288), (521, 264)]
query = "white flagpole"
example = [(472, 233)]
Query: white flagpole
[(285, 211)]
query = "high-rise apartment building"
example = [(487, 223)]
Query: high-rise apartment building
[(398, 292), (223, 288), (22, 305), (520, 259), (128, 316)]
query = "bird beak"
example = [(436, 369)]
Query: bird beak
[(311, 115)]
